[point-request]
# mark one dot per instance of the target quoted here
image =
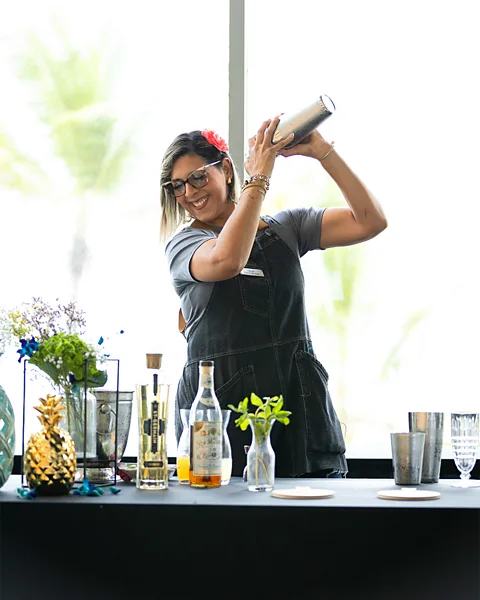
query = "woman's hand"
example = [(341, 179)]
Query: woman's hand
[(261, 152), (313, 146)]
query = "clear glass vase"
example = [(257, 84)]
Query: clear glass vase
[(226, 450), (74, 421), (260, 457), (183, 449)]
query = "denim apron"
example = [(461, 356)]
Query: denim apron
[(255, 330)]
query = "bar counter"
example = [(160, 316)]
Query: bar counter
[(133, 544)]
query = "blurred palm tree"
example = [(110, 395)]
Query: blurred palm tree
[(70, 90)]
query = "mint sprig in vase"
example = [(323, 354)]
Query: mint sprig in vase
[(261, 455)]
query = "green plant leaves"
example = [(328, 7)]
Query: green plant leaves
[(267, 411)]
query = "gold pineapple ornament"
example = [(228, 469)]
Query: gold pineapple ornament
[(50, 461)]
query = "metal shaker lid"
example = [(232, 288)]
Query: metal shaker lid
[(154, 361)]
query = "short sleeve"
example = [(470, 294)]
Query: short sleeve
[(180, 249), (300, 228)]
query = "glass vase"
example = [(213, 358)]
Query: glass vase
[(74, 421), (226, 450), (260, 457)]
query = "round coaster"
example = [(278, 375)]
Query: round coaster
[(408, 494), (303, 493)]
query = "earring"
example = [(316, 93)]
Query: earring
[(229, 180)]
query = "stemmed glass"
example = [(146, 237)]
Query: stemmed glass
[(465, 442)]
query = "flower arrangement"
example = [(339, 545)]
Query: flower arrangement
[(50, 338), (215, 139)]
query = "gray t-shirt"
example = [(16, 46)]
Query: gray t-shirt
[(299, 228)]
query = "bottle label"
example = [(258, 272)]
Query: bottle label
[(206, 448)]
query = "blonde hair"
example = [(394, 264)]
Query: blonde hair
[(173, 215)]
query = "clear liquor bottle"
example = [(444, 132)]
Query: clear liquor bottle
[(152, 401), (206, 432)]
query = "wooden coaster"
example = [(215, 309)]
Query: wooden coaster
[(303, 493), (408, 494)]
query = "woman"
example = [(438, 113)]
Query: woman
[(241, 286)]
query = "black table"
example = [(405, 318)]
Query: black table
[(229, 542)]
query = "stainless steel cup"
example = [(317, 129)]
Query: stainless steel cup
[(407, 456), (431, 423)]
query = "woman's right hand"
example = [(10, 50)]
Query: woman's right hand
[(261, 152)]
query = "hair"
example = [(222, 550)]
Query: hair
[(172, 213)]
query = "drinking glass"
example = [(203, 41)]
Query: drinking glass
[(183, 449), (465, 440)]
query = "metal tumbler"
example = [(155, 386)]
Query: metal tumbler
[(431, 423), (407, 456), (303, 122)]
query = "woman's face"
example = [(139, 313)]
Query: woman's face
[(208, 203)]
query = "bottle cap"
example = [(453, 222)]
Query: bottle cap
[(206, 363), (154, 361)]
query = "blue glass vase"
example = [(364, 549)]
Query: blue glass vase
[(7, 437)]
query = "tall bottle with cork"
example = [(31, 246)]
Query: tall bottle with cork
[(152, 400), (206, 433)]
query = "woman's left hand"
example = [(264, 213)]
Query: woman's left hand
[(313, 146)]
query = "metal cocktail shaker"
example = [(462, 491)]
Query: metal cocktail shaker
[(431, 423), (303, 122)]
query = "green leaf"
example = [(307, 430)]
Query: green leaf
[(282, 414), (99, 379), (255, 400), (278, 405)]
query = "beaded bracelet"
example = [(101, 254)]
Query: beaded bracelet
[(330, 150), (258, 177)]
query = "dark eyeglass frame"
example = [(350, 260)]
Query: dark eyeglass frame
[(168, 185)]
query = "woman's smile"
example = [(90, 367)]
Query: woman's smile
[(201, 203)]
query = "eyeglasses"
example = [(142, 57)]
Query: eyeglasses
[(196, 179)]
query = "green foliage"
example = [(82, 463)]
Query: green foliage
[(71, 88), (18, 170), (65, 353), (266, 412)]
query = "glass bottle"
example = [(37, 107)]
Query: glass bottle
[(152, 401), (226, 449), (206, 432), (183, 449)]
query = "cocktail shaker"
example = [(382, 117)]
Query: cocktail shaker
[(431, 423), (303, 122)]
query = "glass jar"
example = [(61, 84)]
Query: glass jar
[(226, 450), (183, 449)]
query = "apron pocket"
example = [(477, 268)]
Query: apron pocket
[(322, 424), (242, 384), (255, 292)]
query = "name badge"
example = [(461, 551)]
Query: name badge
[(252, 272)]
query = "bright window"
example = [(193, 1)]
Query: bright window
[(395, 321), (152, 68)]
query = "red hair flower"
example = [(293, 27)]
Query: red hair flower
[(216, 140)]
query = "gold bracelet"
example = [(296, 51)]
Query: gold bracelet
[(260, 187), (331, 150)]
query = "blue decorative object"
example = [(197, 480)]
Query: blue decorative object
[(7, 437)]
